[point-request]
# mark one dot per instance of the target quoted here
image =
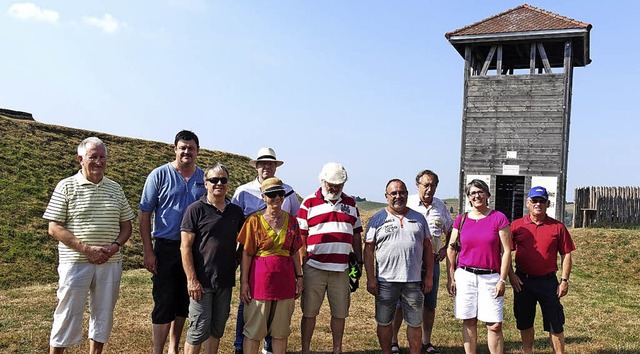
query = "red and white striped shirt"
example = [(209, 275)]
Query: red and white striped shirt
[(327, 230)]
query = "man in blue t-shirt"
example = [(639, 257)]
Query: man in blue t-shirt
[(167, 192)]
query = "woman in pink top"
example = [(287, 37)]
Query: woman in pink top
[(271, 277), (478, 270)]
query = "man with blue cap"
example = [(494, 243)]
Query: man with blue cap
[(537, 240)]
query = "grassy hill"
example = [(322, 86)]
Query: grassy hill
[(370, 206), (602, 307), (35, 156)]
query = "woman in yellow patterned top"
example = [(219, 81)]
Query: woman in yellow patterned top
[(271, 276)]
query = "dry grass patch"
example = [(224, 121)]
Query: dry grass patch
[(601, 308)]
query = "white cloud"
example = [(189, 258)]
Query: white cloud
[(31, 11), (108, 24)]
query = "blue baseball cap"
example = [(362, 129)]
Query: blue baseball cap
[(538, 192)]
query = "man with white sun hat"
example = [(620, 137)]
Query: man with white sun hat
[(330, 227), (249, 197)]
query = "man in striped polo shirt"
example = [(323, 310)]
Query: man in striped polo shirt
[(330, 228), (90, 217)]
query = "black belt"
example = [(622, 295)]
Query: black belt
[(478, 270), (524, 275), (166, 240)]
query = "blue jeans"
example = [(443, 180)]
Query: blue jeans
[(240, 327), (408, 294)]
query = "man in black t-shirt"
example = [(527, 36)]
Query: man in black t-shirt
[(209, 231)]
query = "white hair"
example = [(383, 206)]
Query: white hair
[(82, 148)]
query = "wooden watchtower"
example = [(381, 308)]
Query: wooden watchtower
[(518, 74)]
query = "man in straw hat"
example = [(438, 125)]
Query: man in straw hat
[(330, 227), (249, 197)]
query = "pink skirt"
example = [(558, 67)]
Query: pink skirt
[(272, 278)]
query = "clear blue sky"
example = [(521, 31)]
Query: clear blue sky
[(371, 84)]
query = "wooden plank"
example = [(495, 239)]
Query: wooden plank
[(568, 81), (499, 61), (517, 78), (545, 60), (507, 87), (530, 141), (532, 59), (516, 94), (461, 173), (520, 102), (513, 109), (538, 117), (497, 170), (524, 160), (516, 91), (556, 82), (517, 121), (487, 61), (523, 87), (515, 130)]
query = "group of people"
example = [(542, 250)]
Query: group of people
[(194, 237)]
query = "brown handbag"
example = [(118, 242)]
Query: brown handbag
[(457, 246)]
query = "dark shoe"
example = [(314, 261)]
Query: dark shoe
[(395, 348), (238, 351), (429, 349)]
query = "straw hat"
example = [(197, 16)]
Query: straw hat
[(266, 154), (273, 184)]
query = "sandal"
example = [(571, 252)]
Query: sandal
[(429, 349), (395, 348)]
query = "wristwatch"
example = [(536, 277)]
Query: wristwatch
[(566, 280)]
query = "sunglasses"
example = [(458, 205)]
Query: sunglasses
[(538, 200), (215, 180), (275, 194)]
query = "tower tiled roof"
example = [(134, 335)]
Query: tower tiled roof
[(524, 18)]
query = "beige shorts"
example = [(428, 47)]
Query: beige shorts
[(318, 282), (259, 313)]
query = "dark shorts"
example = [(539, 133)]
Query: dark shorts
[(431, 298), (541, 290), (207, 317), (170, 295)]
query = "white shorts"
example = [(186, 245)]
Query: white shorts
[(77, 280), (475, 297)]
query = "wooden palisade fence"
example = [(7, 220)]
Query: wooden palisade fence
[(607, 207)]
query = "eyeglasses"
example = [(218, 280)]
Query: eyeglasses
[(397, 193), (477, 193), (428, 185), (215, 180), (275, 194), (538, 201), (96, 158)]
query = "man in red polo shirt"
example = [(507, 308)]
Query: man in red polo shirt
[(537, 240)]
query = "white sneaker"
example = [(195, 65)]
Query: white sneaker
[(265, 351)]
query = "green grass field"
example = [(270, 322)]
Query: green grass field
[(602, 310)]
